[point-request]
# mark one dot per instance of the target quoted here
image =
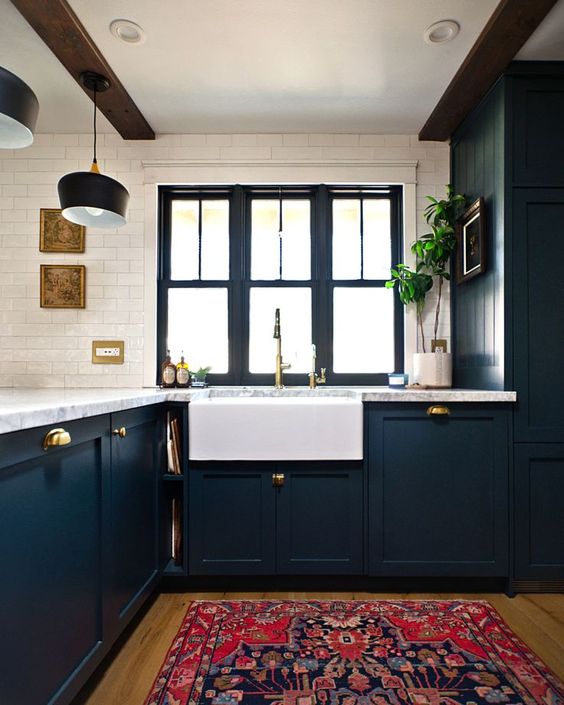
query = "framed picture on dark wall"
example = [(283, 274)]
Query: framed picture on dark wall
[(471, 242)]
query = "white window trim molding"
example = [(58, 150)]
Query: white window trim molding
[(207, 173)]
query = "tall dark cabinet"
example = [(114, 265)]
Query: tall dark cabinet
[(509, 322)]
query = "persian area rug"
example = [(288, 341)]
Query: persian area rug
[(382, 652)]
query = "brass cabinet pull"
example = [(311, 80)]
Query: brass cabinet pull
[(56, 437), (438, 411), (278, 479), (121, 432)]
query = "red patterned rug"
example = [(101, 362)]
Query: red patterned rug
[(383, 652)]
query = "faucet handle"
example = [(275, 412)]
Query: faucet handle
[(322, 379)]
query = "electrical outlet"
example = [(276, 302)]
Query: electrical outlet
[(107, 352)]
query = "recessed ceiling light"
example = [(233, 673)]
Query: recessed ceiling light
[(127, 31), (441, 32)]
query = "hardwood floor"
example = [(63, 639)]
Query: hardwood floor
[(537, 619)]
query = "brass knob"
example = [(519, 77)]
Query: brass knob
[(278, 479), (121, 432), (56, 437), (438, 411)]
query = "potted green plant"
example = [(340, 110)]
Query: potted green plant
[(433, 251), (199, 377)]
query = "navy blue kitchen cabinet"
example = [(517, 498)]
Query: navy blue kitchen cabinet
[(438, 490), (319, 518), (54, 525), (135, 482), (508, 324), (232, 520), (539, 523), (78, 542), (291, 518)]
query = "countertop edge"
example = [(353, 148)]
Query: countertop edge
[(24, 409)]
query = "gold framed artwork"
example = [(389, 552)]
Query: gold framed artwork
[(63, 286), (56, 234)]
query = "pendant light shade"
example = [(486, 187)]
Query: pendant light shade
[(18, 111), (92, 199), (88, 197)]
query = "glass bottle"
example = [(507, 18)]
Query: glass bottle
[(168, 372), (182, 373)]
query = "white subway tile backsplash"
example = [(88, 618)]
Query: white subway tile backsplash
[(52, 347)]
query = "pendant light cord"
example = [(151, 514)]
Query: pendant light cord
[(94, 161)]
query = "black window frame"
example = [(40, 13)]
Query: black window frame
[(239, 283)]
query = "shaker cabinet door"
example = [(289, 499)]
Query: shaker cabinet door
[(231, 519), (53, 526), (135, 533), (319, 519), (438, 490)]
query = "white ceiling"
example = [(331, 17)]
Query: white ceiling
[(260, 65)]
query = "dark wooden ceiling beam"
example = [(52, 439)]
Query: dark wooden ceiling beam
[(59, 27), (507, 30)]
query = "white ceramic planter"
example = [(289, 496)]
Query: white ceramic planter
[(433, 369)]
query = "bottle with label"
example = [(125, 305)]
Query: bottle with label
[(182, 373), (168, 372)]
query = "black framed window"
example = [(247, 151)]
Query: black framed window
[(229, 256)]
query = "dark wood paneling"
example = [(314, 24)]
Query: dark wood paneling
[(59, 27), (438, 491), (538, 134), (319, 527), (537, 301), (539, 519), (509, 27), (479, 323)]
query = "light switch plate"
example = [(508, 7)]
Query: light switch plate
[(107, 352)]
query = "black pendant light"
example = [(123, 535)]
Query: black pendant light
[(88, 197), (18, 111)]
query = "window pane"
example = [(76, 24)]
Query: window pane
[(265, 241), (377, 238), (215, 239), (295, 325), (346, 238), (363, 330), (197, 324), (184, 240)]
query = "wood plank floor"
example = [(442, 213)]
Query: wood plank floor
[(127, 679)]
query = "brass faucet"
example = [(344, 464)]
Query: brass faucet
[(280, 365), (314, 378)]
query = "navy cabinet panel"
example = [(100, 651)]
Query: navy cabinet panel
[(52, 529), (539, 511), (538, 138), (438, 492), (134, 481), (319, 519), (231, 519), (538, 320)]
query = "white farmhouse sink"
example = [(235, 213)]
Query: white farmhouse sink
[(275, 428)]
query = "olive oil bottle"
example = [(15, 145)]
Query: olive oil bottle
[(182, 373), (168, 372)]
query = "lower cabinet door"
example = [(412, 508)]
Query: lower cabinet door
[(231, 519), (53, 526), (539, 511), (319, 519), (438, 491), (135, 531)]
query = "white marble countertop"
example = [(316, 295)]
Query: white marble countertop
[(28, 408)]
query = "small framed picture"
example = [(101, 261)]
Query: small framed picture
[(56, 234), (63, 286), (471, 242)]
